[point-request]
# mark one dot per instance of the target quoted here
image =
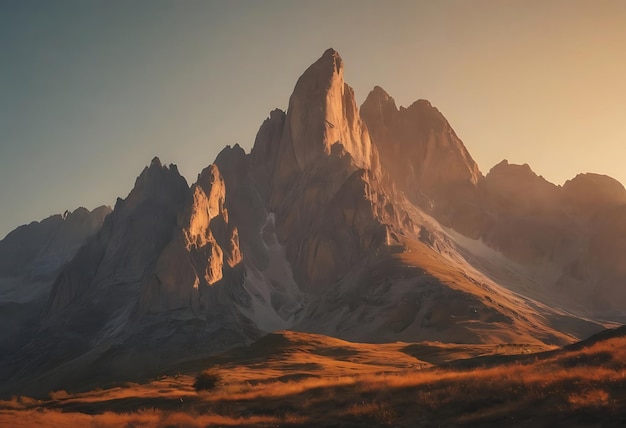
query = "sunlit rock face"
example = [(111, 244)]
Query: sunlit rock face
[(322, 111), (419, 143), (562, 234), (424, 157), (203, 246), (322, 177)]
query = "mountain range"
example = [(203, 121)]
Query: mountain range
[(370, 224)]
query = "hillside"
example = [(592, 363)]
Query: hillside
[(293, 379)]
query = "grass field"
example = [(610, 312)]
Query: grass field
[(297, 379)]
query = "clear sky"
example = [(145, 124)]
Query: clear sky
[(90, 91)]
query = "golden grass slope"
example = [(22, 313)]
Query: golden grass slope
[(295, 379)]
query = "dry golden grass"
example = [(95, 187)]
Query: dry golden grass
[(584, 385), (140, 418)]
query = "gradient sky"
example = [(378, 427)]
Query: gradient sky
[(90, 91)]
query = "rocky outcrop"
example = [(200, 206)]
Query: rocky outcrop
[(526, 222), (322, 120), (322, 111), (204, 245), (516, 189), (322, 178), (128, 244), (423, 155), (531, 221)]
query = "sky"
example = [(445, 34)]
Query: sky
[(91, 91)]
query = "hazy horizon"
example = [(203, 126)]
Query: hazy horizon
[(92, 91)]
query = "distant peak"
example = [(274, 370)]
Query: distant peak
[(157, 165), (330, 52), (328, 64), (379, 90), (379, 93), (597, 184), (510, 168), (156, 174), (230, 151), (378, 107), (377, 98), (422, 104), (277, 113), (82, 212)]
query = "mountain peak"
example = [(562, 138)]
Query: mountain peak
[(594, 190), (322, 75), (378, 107), (422, 103), (379, 92), (419, 148), (520, 171), (332, 56), (322, 111), (156, 162)]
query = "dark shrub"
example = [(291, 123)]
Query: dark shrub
[(207, 380)]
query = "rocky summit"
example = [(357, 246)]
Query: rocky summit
[(369, 224)]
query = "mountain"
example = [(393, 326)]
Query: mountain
[(565, 238), (31, 257), (371, 225), (423, 155), (37, 250), (563, 241)]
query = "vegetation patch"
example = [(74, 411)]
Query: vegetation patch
[(208, 380)]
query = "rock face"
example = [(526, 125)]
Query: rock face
[(526, 221), (204, 246), (423, 155), (322, 112), (130, 240), (560, 234), (322, 177), (162, 274), (571, 230)]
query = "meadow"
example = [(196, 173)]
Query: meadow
[(295, 379)]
